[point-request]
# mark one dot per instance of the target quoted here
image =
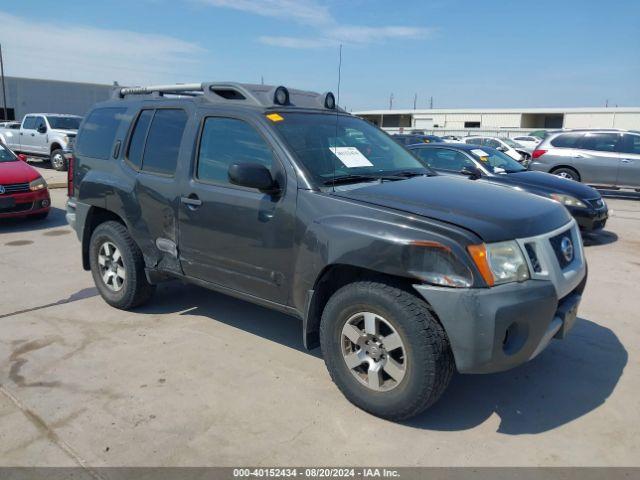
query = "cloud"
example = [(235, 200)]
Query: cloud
[(301, 11), (329, 32), (93, 54)]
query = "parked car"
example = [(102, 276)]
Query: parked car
[(451, 138), (44, 135), (597, 157), (505, 145), (404, 139), (23, 191), (527, 141), (272, 195), (583, 202)]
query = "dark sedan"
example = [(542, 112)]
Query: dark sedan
[(585, 203), (411, 139)]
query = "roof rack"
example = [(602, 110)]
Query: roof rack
[(265, 96)]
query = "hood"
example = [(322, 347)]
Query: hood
[(545, 183), (491, 211), (70, 133), (17, 172)]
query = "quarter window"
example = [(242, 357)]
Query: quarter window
[(98, 132), (226, 141), (139, 136), (601, 142)]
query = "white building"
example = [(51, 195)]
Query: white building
[(502, 121)]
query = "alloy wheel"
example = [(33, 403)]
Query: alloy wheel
[(373, 351), (111, 266)]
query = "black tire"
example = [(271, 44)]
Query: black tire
[(566, 172), (58, 161), (429, 360), (135, 289)]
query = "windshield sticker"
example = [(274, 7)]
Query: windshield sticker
[(479, 153), (351, 157)]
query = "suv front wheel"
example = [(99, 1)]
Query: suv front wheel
[(385, 350), (117, 267)]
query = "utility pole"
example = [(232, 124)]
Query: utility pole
[(262, 80), (431, 102), (391, 101), (606, 103), (4, 92), (415, 101)]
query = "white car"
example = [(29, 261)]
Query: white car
[(528, 141), (505, 145)]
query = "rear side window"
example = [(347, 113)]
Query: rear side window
[(98, 132), (136, 146), (474, 141), (155, 141), (631, 144), (163, 141), (29, 123), (226, 141), (601, 142), (40, 123), (567, 140)]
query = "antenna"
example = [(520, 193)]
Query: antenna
[(335, 144), (415, 100)]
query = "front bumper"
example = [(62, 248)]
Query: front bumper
[(24, 204), (498, 328), (590, 219)]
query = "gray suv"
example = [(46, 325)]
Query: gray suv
[(278, 197), (596, 157)]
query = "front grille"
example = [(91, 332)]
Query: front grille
[(533, 257), (596, 203), (18, 207), (15, 188), (563, 256)]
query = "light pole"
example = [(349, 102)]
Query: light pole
[(4, 93)]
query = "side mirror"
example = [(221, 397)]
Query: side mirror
[(253, 175), (502, 149), (42, 129), (22, 156), (472, 172)]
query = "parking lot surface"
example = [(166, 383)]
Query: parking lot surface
[(198, 378)]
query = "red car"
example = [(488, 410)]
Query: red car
[(23, 192)]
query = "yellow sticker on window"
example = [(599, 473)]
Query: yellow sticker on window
[(274, 117)]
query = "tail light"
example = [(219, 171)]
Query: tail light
[(538, 153), (71, 160)]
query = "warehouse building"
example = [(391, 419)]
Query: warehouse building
[(502, 121), (29, 95)]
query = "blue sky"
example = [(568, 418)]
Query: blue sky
[(464, 53)]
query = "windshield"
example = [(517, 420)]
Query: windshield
[(496, 161), (510, 142), (64, 123), (6, 155), (344, 146)]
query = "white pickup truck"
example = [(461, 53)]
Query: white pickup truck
[(45, 135)]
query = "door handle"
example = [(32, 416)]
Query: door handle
[(578, 156), (192, 201), (627, 160), (33, 134)]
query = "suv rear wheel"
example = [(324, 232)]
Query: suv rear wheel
[(566, 172), (117, 267), (385, 350)]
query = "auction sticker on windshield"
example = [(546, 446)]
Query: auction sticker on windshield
[(351, 157), (479, 153)]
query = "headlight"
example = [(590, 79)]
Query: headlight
[(501, 262), (567, 200), (436, 264), (37, 184)]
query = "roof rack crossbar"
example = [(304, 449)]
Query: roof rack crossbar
[(186, 87)]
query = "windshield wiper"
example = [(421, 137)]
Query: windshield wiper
[(342, 179)]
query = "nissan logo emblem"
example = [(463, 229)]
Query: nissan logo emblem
[(566, 247), (2, 190)]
